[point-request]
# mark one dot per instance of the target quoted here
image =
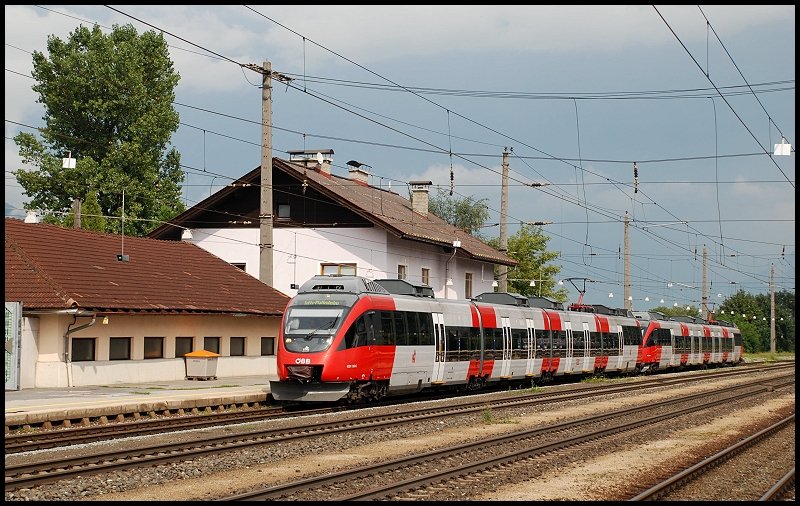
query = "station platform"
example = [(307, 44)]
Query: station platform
[(49, 407)]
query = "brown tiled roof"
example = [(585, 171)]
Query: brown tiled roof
[(384, 208), (51, 267), (394, 213)]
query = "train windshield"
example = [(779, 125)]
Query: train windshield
[(311, 329)]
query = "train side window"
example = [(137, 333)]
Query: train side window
[(400, 329), (356, 335), (578, 341), (595, 344), (386, 333), (559, 343), (542, 343), (475, 343), (631, 336), (488, 344), (519, 343), (425, 329), (453, 347), (412, 322)]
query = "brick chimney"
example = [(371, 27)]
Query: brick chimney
[(419, 196), (359, 175)]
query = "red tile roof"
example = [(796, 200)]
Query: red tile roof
[(51, 267), (382, 207)]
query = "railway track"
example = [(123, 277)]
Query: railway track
[(440, 473), (57, 438), (29, 475), (675, 487)]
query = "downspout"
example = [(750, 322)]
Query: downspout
[(67, 358)]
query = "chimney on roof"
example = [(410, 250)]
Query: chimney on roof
[(419, 196), (315, 159), (31, 217), (359, 175)]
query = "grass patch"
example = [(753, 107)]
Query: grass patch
[(767, 356), (489, 418)]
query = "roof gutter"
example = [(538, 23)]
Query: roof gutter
[(74, 312)]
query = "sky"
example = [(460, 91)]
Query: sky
[(693, 97)]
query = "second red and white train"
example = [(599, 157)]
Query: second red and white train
[(349, 338)]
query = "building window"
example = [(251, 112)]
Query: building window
[(468, 285), (211, 344), (241, 265), (267, 346), (284, 211), (340, 269), (426, 276), (153, 347), (183, 345), (402, 271), (119, 348), (83, 349), (237, 346)]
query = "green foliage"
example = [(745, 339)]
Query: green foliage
[(528, 246), (108, 101), (751, 313), (489, 418), (92, 214), (677, 311), (465, 213)]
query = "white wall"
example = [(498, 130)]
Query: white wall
[(42, 360), (299, 253), (29, 352)]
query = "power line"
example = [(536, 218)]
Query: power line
[(722, 96)]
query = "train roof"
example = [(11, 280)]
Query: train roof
[(601, 309), (544, 302), (345, 284), (403, 287), (507, 298)]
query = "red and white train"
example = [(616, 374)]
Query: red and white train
[(349, 338)]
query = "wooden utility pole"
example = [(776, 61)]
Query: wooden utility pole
[(704, 295), (265, 267), (627, 262), (772, 308), (76, 206), (503, 274)]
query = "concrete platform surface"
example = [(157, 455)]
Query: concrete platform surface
[(36, 406)]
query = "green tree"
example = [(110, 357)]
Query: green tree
[(677, 311), (528, 246), (467, 213), (91, 215), (752, 313), (108, 101)]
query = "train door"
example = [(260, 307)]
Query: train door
[(530, 368), (588, 359), (440, 345), (505, 364), (569, 365)]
